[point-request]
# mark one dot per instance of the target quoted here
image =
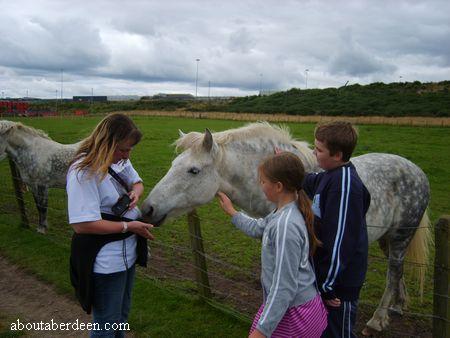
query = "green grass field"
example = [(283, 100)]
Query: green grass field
[(427, 147)]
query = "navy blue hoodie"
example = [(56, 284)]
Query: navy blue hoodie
[(340, 203)]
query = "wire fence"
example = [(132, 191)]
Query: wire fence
[(234, 284)]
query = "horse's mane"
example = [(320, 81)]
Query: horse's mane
[(281, 134), (9, 125)]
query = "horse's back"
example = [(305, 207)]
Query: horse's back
[(399, 191)]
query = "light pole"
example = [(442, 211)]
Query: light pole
[(56, 100), (209, 91), (306, 78), (62, 72), (260, 84), (196, 78)]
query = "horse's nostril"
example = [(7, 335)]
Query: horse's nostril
[(150, 211)]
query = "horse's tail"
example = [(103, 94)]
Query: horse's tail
[(419, 248)]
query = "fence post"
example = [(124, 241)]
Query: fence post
[(19, 195), (441, 303), (201, 272)]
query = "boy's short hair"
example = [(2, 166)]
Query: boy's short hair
[(338, 136)]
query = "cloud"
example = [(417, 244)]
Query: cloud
[(147, 46), (352, 59), (42, 44)]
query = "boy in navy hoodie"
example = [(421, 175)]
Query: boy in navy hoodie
[(340, 203)]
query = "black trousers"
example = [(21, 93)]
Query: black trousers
[(341, 320)]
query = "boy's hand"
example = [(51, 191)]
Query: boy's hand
[(336, 302), (225, 204), (277, 151), (256, 334)]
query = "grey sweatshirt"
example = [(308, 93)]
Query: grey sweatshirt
[(287, 276)]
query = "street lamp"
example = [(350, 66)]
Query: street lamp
[(62, 74), (56, 101), (260, 84), (306, 78), (196, 78)]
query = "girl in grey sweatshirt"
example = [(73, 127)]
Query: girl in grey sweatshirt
[(292, 306)]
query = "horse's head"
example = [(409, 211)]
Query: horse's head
[(192, 180), (5, 128)]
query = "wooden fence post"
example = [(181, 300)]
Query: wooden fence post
[(17, 182), (201, 272), (441, 303)]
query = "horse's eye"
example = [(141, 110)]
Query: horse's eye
[(194, 171)]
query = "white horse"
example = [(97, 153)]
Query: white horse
[(42, 162), (227, 161)]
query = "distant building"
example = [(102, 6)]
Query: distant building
[(267, 92), (90, 99), (123, 98), (162, 96)]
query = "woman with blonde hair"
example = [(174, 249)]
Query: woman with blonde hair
[(103, 189)]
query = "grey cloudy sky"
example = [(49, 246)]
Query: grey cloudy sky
[(146, 47)]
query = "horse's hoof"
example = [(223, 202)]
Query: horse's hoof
[(378, 324), (367, 332), (41, 230)]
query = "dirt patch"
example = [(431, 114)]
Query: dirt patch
[(24, 297), (242, 291)]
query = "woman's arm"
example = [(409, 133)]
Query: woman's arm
[(103, 227)]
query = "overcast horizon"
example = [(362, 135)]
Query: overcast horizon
[(149, 47)]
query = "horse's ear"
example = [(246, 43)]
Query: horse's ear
[(180, 132), (208, 140)]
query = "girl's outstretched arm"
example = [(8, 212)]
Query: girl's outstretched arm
[(251, 226)]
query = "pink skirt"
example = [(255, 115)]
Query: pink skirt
[(308, 320)]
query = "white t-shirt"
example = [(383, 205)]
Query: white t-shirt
[(89, 196)]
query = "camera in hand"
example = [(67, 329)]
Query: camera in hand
[(121, 206)]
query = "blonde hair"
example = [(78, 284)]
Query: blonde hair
[(288, 169), (97, 150)]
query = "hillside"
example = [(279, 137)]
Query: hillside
[(376, 99)]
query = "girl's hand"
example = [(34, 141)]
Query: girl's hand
[(256, 334), (134, 199), (225, 204), (141, 229)]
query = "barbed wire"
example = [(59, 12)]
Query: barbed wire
[(211, 272), (368, 225)]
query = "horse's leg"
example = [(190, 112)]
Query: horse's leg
[(40, 194), (401, 296), (395, 291)]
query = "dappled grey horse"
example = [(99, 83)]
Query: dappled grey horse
[(227, 161), (42, 162)]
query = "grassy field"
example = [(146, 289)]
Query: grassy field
[(235, 257)]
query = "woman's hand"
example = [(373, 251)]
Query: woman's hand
[(225, 204), (135, 194), (141, 229), (134, 199)]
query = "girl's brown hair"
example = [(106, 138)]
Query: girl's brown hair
[(288, 169), (97, 150)]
